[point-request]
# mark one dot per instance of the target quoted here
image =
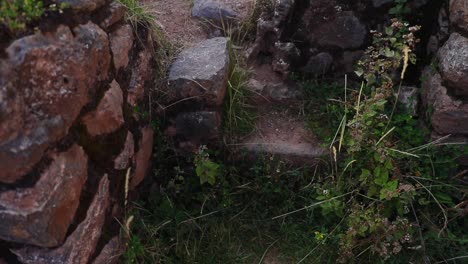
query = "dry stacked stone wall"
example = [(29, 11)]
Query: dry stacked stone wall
[(69, 133), (445, 82)]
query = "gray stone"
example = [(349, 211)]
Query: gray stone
[(453, 62), (379, 3), (459, 14), (319, 64), (345, 31), (448, 115), (198, 127), (201, 72), (212, 10)]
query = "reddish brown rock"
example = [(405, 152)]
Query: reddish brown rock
[(449, 115), (459, 14), (49, 80), (121, 41), (108, 116), (140, 75), (123, 159), (11, 104), (41, 215), (81, 244), (110, 253), (114, 13), (143, 157)]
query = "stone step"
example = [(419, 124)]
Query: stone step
[(283, 134)]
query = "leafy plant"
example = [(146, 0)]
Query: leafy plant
[(205, 168), (16, 14)]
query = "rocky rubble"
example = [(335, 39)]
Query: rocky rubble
[(64, 93)]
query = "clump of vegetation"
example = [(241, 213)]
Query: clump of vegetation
[(142, 18), (16, 14), (239, 117)]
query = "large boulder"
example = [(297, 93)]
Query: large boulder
[(453, 62), (45, 82), (459, 14), (201, 73), (448, 115), (40, 215)]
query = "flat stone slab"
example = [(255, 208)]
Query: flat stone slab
[(201, 73), (282, 134)]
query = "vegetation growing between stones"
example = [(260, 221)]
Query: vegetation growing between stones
[(163, 51), (385, 195)]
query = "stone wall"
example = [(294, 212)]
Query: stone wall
[(445, 82), (69, 133), (326, 37)]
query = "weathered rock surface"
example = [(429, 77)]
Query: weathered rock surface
[(201, 72), (121, 41), (212, 10), (113, 14), (81, 244), (449, 115), (82, 5), (140, 74), (41, 215), (111, 252), (55, 74), (142, 157), (198, 127), (281, 134), (453, 62), (379, 3), (108, 116), (459, 14), (344, 31), (123, 159)]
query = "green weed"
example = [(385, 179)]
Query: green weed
[(239, 116), (18, 14)]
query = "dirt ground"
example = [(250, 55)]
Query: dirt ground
[(175, 17)]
